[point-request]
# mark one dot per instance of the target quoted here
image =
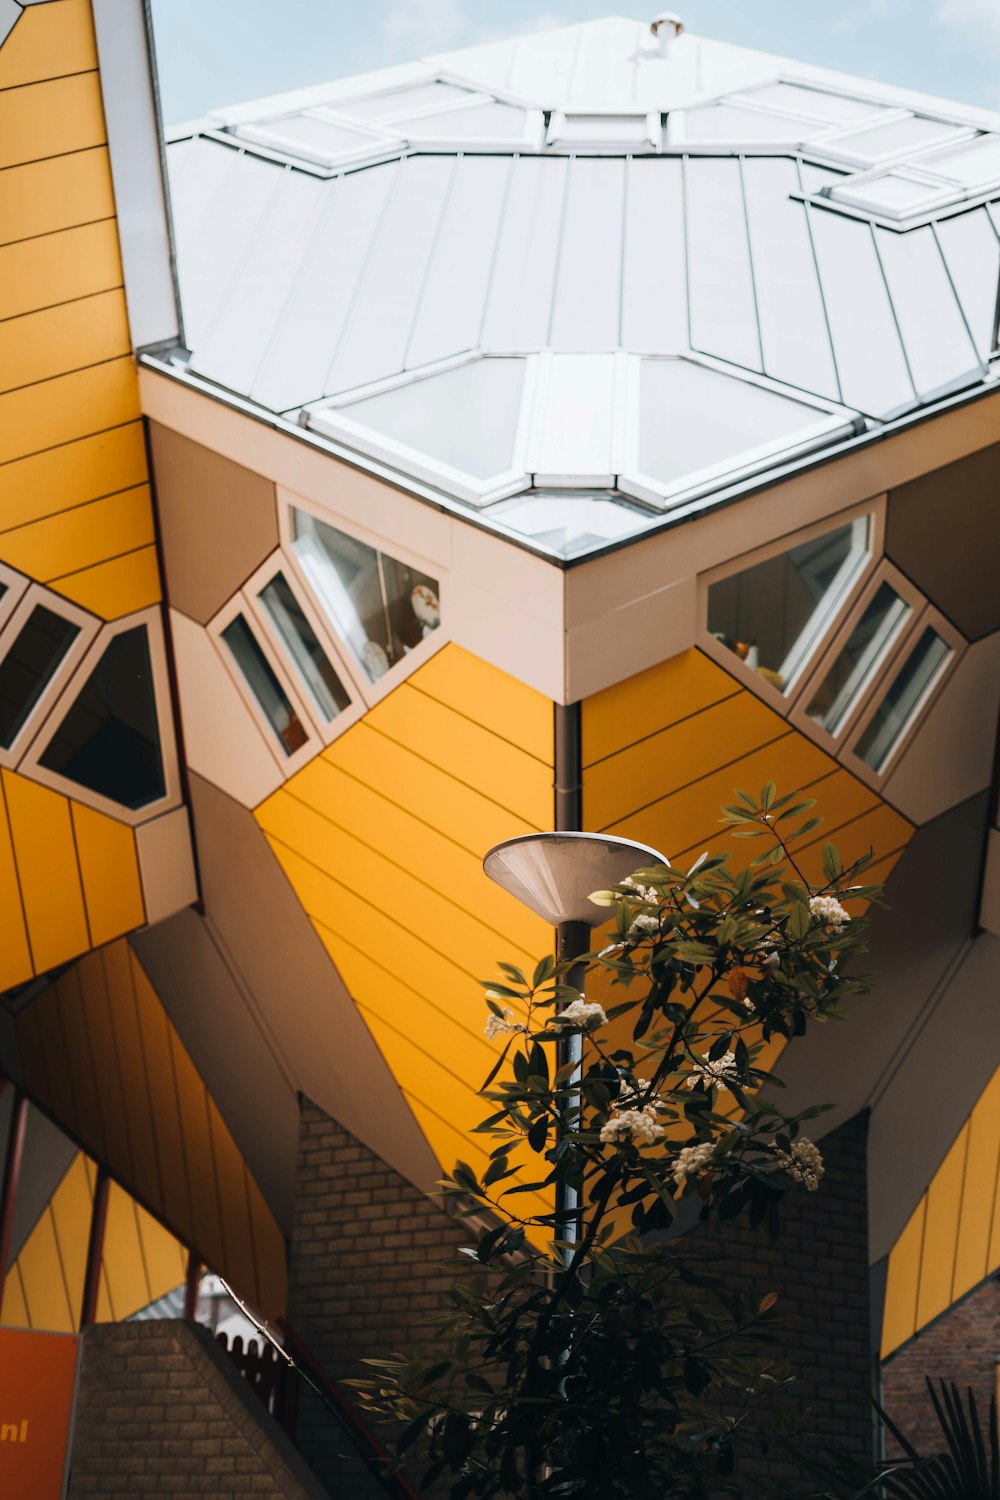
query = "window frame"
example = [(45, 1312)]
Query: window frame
[(15, 586), (928, 616), (369, 693), (875, 510), (239, 605), (327, 730), (376, 145), (884, 572), (652, 145), (89, 627), (152, 618)]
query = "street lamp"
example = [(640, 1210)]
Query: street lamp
[(554, 874)]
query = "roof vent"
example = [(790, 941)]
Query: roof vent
[(666, 27)]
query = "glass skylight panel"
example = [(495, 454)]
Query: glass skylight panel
[(975, 166), (380, 606), (487, 124), (274, 702), (878, 626), (29, 666), (893, 195), (891, 139), (618, 132), (315, 668), (390, 103), (570, 523), (772, 614), (732, 124), (902, 701), (814, 104), (316, 138)]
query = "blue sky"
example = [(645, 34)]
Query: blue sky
[(214, 52)]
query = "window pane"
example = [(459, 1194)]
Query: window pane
[(864, 648), (772, 614), (381, 607), (264, 685), (28, 667), (109, 741), (903, 698), (298, 635)]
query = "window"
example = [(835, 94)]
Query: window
[(28, 666), (866, 646), (381, 607), (314, 666), (318, 137), (903, 699), (289, 731), (609, 132), (772, 614), (109, 741)]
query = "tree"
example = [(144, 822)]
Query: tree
[(592, 1352)]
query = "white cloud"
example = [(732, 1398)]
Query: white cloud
[(981, 18), (414, 28)]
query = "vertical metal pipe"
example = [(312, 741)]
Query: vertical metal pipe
[(192, 1287), (95, 1249), (568, 787), (11, 1179), (572, 938)]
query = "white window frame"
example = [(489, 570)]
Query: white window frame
[(88, 627), (884, 572), (15, 585), (267, 134), (476, 95), (530, 137), (328, 730), (745, 98), (331, 419), (832, 421), (152, 618), (819, 629), (831, 146), (313, 743), (651, 145), (368, 692)]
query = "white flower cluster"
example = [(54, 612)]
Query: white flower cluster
[(636, 1125), (692, 1161), (716, 1072), (646, 924), (581, 1013), (828, 911), (500, 1025), (643, 892), (803, 1163)]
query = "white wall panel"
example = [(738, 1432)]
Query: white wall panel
[(654, 289), (585, 314), (723, 317), (972, 254), (938, 348), (520, 302)]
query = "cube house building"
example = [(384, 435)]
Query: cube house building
[(557, 433)]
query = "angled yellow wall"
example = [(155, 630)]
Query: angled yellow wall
[(75, 509), (952, 1240), (382, 838)]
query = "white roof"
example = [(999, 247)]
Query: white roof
[(567, 264)]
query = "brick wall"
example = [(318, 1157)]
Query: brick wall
[(819, 1268), (962, 1345), (160, 1409), (365, 1264)]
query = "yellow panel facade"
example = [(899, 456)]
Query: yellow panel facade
[(117, 587), (60, 479), (80, 538), (38, 345), (43, 197), (48, 870), (937, 1260), (50, 118), (49, 41), (15, 952), (50, 270), (899, 1318), (109, 869)]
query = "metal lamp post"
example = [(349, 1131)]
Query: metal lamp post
[(554, 874)]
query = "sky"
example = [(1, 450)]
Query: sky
[(216, 52)]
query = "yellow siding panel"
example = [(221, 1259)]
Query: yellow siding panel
[(68, 407), (110, 871), (71, 1207), (37, 345), (123, 1265), (101, 1037), (882, 831), (234, 1206), (117, 587), (58, 479), (469, 753), (64, 191), (49, 41), (117, 968), (47, 865), (490, 697), (15, 955), (269, 1254), (652, 700), (192, 1108), (53, 268), (899, 1318), (77, 1062), (670, 760), (937, 1265), (979, 1192), (162, 1104), (50, 119), (14, 1312), (468, 817), (45, 1294), (81, 537), (164, 1256)]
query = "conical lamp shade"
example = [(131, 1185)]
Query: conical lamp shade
[(555, 873)]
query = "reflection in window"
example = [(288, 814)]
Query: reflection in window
[(903, 698), (772, 614), (264, 685), (29, 666), (381, 607), (864, 648), (109, 742), (314, 665)]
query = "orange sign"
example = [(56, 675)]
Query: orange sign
[(37, 1372)]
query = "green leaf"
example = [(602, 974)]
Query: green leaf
[(768, 793), (544, 969)]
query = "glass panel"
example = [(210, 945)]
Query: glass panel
[(109, 741), (314, 139), (399, 101), (866, 645), (729, 123), (298, 635), (771, 614), (975, 165), (620, 129), (381, 607), (896, 138), (902, 699), (29, 665), (265, 686), (815, 103), (477, 122), (894, 194)]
